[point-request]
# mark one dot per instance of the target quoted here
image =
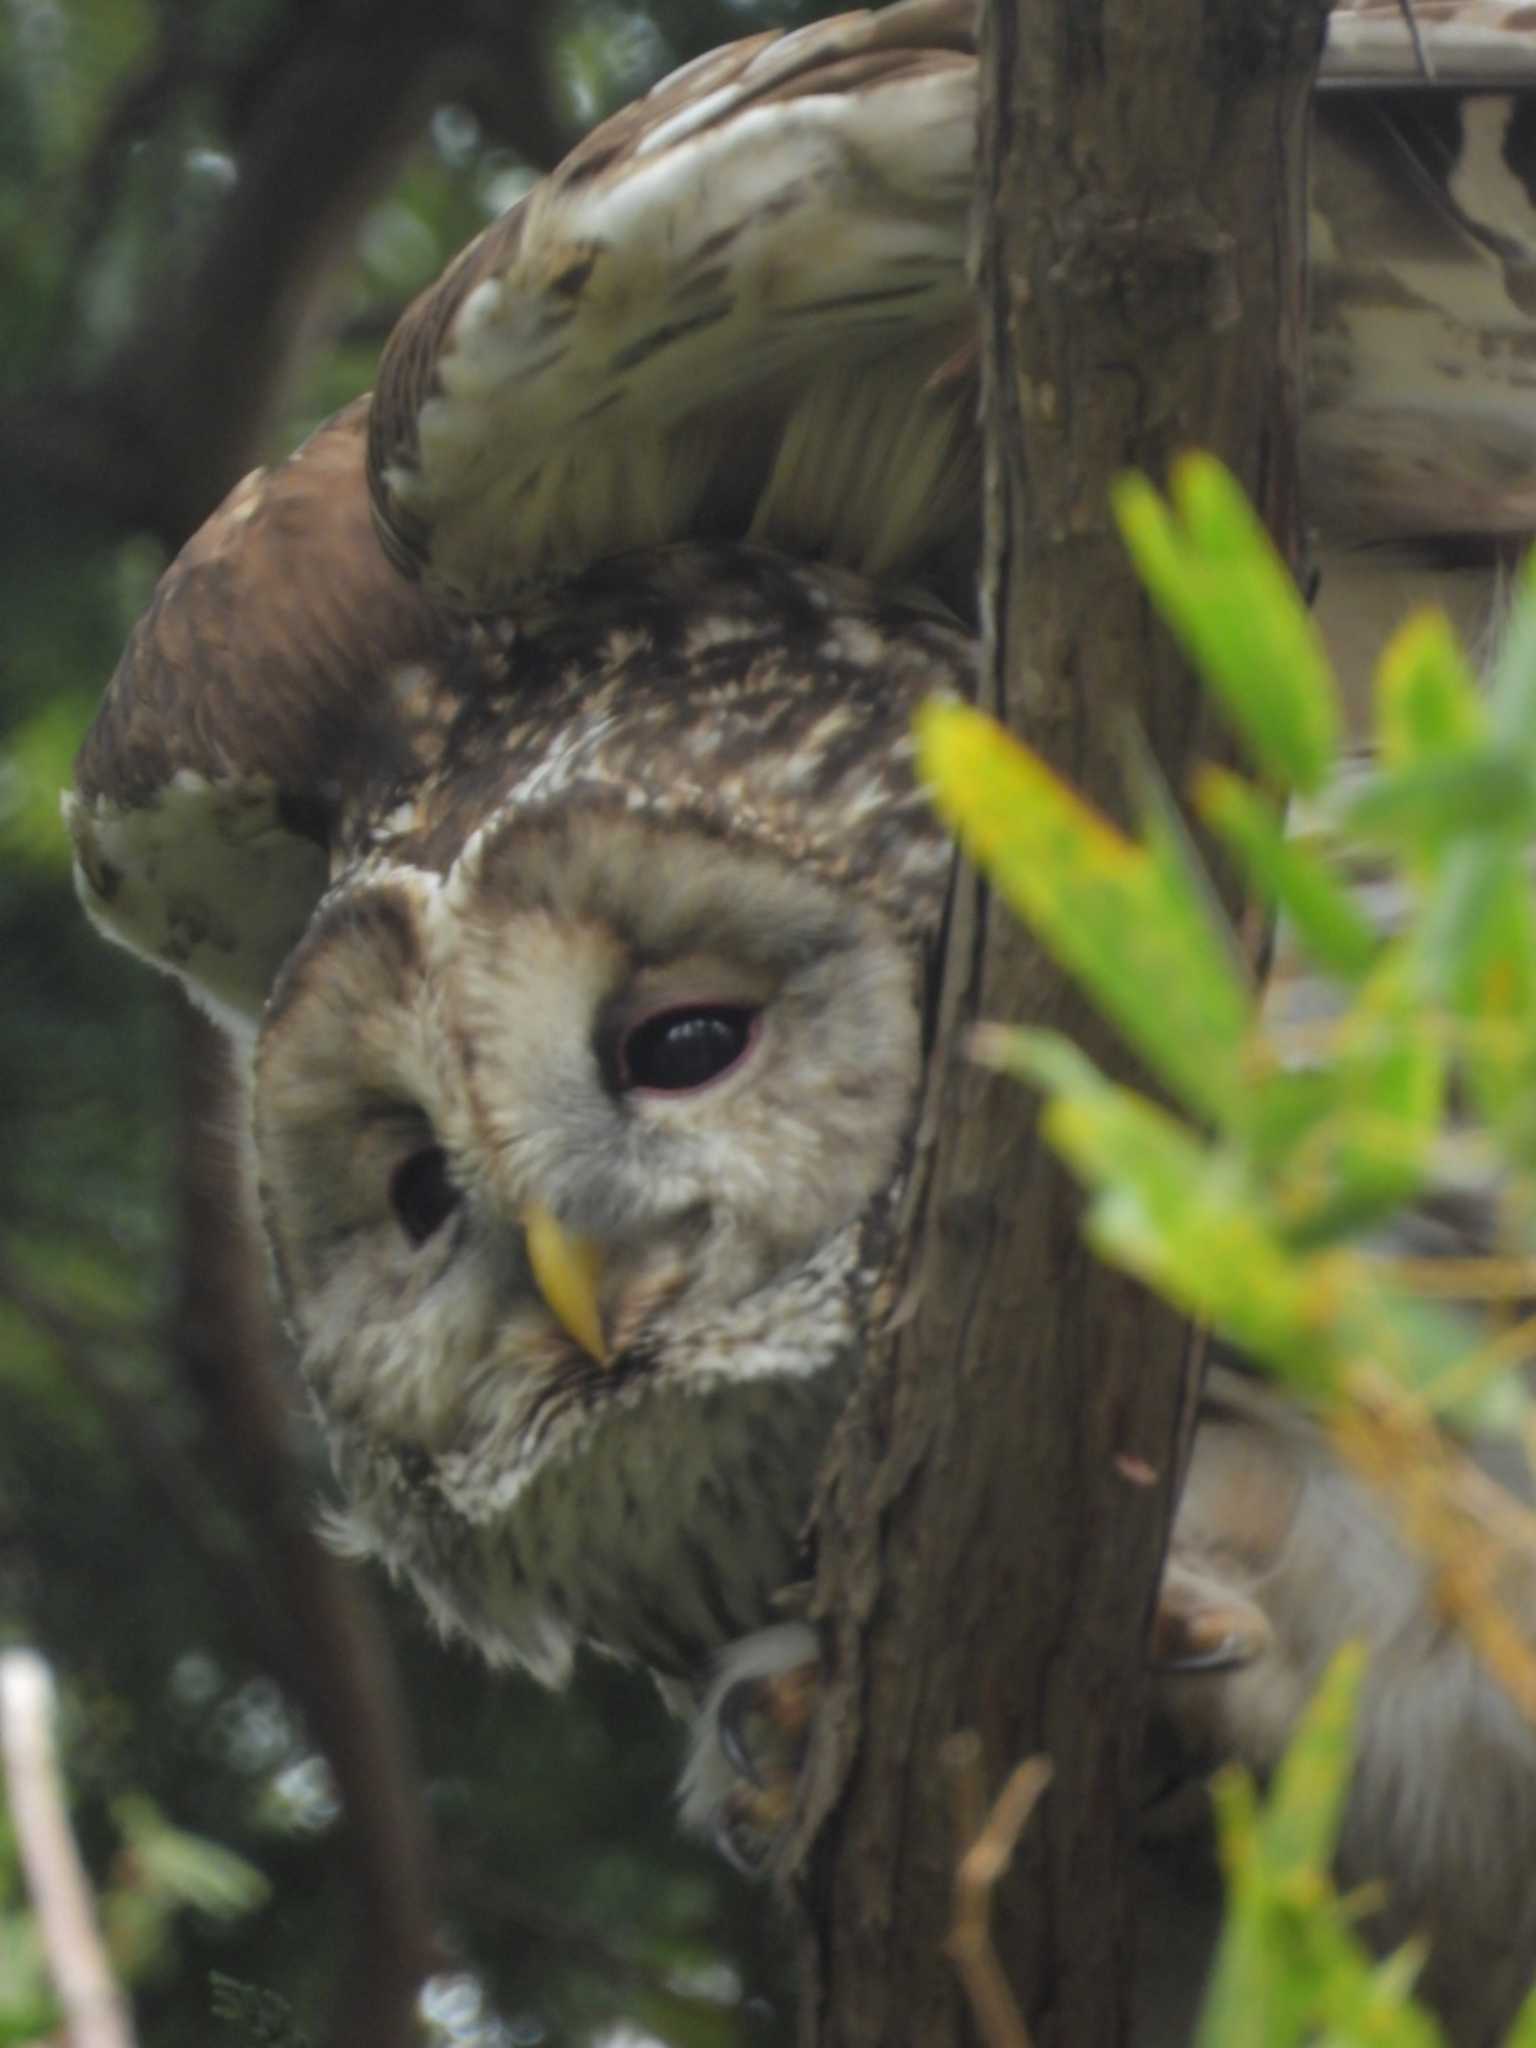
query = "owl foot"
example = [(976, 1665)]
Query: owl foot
[(1203, 1626), (1205, 1636), (750, 1734), (749, 1743)]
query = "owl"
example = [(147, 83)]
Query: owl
[(522, 773)]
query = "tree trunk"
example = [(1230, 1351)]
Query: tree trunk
[(995, 1512)]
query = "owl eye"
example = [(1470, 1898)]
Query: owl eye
[(422, 1193), (681, 1049)]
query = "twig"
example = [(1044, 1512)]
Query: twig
[(95, 2011), (1481, 1279), (1422, 57), (987, 1841)]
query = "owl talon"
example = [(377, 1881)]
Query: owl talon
[(732, 1727), (1202, 1628), (762, 1727), (763, 1723), (749, 1744), (1232, 1653), (752, 1823), (1203, 1635)]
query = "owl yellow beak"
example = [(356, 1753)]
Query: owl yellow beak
[(567, 1271)]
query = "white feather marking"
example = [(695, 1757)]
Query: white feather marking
[(206, 881)]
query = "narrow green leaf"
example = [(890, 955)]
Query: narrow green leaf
[(1136, 931), (1385, 1071), (1286, 1104), (1305, 1808), (1512, 686), (1477, 790), (1328, 922), (1260, 1992), (1289, 1967), (1179, 1215), (1213, 573), (1428, 704), (188, 1869), (1523, 2032), (1478, 954)]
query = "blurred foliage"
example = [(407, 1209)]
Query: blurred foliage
[(1389, 1057), (571, 1903), (1291, 1967)]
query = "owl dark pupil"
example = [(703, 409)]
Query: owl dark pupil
[(685, 1048), (422, 1193)]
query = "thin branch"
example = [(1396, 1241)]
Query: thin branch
[(95, 2011), (348, 1685), (987, 1843), (1421, 55)]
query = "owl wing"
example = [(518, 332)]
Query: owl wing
[(729, 310), (250, 698), (739, 309)]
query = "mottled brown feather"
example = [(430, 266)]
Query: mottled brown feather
[(262, 651)]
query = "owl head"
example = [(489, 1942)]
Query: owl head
[(580, 1106)]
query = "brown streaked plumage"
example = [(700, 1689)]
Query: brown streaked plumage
[(691, 787), (729, 310), (255, 695)]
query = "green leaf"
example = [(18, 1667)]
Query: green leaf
[(187, 1870), (1178, 1214), (1384, 1074), (1134, 927), (1478, 954), (1512, 685), (1289, 1967), (1427, 701), (1477, 790), (36, 764), (1260, 1994), (1305, 1808), (1523, 2033), (1213, 573), (1328, 923)]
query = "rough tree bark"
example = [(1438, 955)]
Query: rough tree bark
[(989, 1538)]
